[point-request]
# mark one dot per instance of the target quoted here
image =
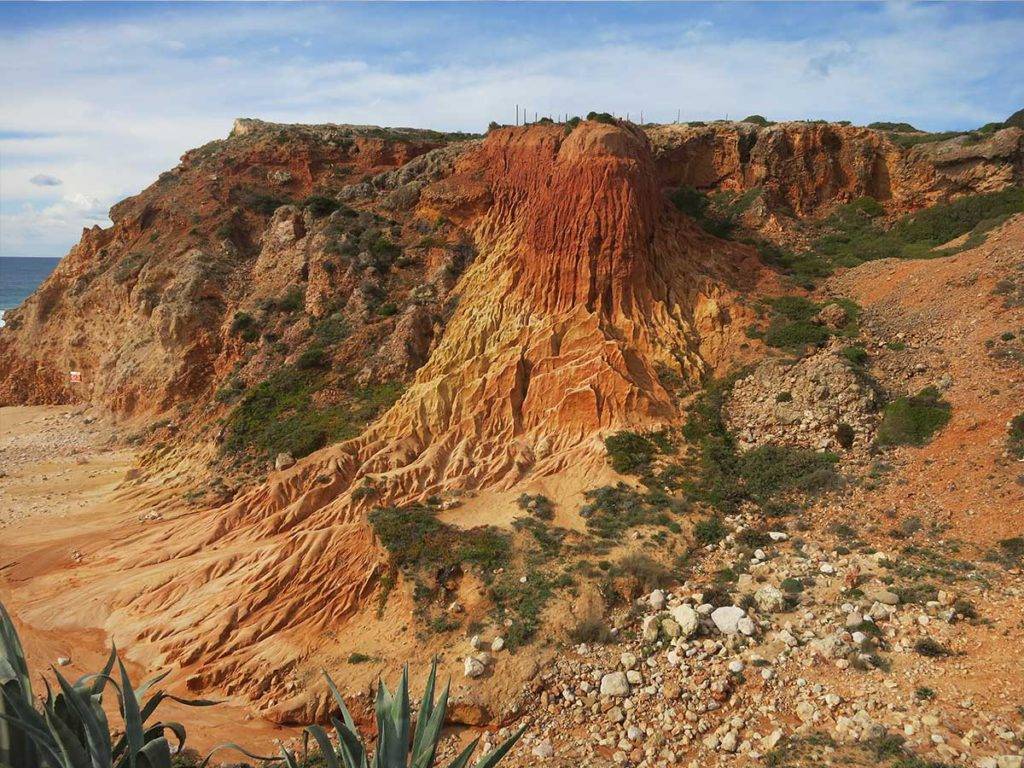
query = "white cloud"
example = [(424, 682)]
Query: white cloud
[(109, 107)]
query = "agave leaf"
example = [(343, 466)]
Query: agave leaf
[(326, 748), (142, 690), (41, 738), (432, 732), (463, 759), (340, 701), (351, 747), (17, 744), (155, 754), (15, 682), (390, 752), (426, 708), (97, 736), (73, 754), (99, 679), (157, 730), (237, 748), (491, 758), (289, 759), (12, 655), (133, 732), (401, 712)]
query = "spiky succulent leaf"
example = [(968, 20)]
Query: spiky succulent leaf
[(154, 754), (133, 732), (326, 748), (432, 732), (346, 716), (16, 747), (237, 748), (491, 758), (84, 719), (426, 708), (463, 758), (351, 748)]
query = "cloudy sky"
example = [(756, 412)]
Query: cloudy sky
[(98, 99)]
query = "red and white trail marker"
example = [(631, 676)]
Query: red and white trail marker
[(76, 377)]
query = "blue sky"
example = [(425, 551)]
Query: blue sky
[(97, 99)]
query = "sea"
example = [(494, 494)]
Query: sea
[(19, 277)]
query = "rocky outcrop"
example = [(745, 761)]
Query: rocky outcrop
[(804, 403), (805, 168)]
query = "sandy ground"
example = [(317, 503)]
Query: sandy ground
[(60, 468)]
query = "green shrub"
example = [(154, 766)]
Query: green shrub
[(416, 539), (312, 358), (710, 530), (757, 120), (645, 573), (788, 335), (1015, 439), (772, 469), (293, 300), (279, 415), (630, 453), (261, 202), (321, 205), (913, 420), (845, 435), (612, 510), (331, 330), (931, 648), (538, 505), (602, 117), (895, 127), (857, 355)]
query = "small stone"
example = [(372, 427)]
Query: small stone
[(473, 667), (63, 661), (543, 750), (687, 618), (727, 619), (614, 684), (656, 599), (769, 599), (283, 461), (497, 644)]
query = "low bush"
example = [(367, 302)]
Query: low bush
[(710, 530), (612, 510), (630, 453), (1015, 438), (279, 415), (321, 205), (602, 117), (538, 505), (931, 648), (913, 420), (416, 539)]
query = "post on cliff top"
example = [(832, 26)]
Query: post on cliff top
[(517, 115)]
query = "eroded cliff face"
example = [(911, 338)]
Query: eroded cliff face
[(546, 290), (586, 283), (804, 169), (143, 309)]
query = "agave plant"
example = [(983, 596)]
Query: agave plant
[(395, 749), (71, 729)]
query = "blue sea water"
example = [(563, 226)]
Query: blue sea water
[(19, 277)]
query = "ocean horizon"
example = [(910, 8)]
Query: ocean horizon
[(19, 278)]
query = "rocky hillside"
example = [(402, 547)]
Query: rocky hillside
[(400, 391)]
